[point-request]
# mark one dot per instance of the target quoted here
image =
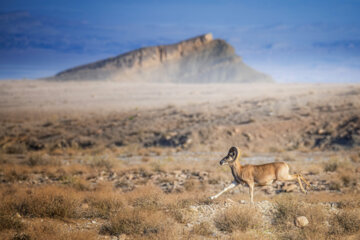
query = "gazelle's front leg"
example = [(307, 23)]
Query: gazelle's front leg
[(232, 185), (251, 192)]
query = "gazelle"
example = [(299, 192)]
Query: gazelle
[(261, 175)]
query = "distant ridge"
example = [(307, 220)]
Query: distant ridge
[(200, 59)]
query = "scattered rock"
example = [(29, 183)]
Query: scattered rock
[(122, 237), (289, 188), (301, 221), (84, 206)]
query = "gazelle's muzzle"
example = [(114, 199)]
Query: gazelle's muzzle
[(224, 161)]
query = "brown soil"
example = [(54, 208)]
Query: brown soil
[(108, 160)]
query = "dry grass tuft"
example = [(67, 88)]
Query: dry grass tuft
[(15, 148), (286, 209), (53, 230), (41, 159), (335, 185), (331, 166), (355, 158), (9, 221), (203, 229), (102, 204), (147, 197), (345, 222), (237, 218), (144, 224), (102, 161), (49, 201)]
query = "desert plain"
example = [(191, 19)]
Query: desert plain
[(109, 160)]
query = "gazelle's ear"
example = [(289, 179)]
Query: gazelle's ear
[(233, 149)]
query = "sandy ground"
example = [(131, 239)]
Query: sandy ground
[(257, 117), (107, 149), (106, 97)]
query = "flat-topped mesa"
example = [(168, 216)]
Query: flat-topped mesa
[(198, 59)]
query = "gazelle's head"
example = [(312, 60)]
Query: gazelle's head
[(231, 157)]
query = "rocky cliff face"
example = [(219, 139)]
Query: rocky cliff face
[(199, 59)]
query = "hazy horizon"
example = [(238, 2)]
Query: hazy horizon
[(297, 41)]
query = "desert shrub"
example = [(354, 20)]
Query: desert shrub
[(79, 235), (3, 158), (355, 158), (50, 229), (348, 178), (101, 162), (147, 197), (51, 201), (103, 205), (126, 222), (181, 215), (204, 229), (237, 235), (317, 228), (178, 207), (158, 167), (345, 222), (147, 202), (21, 236), (286, 209), (331, 166), (15, 148), (190, 185), (349, 204), (274, 149), (80, 184), (236, 218), (14, 173), (9, 221), (335, 186), (40, 159), (149, 224)]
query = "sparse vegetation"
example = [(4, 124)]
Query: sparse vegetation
[(237, 218), (138, 222), (203, 228), (331, 166), (345, 222), (52, 202), (9, 221), (78, 176), (286, 209)]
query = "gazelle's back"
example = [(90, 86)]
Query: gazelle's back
[(264, 174)]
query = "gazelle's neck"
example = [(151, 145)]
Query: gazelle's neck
[(235, 170)]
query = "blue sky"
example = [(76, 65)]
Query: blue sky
[(294, 41)]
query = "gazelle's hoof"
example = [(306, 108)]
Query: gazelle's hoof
[(212, 198)]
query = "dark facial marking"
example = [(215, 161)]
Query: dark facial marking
[(233, 152)]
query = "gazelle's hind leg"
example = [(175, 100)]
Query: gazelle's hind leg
[(305, 181), (283, 175), (298, 177)]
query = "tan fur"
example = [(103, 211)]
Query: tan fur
[(259, 175)]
